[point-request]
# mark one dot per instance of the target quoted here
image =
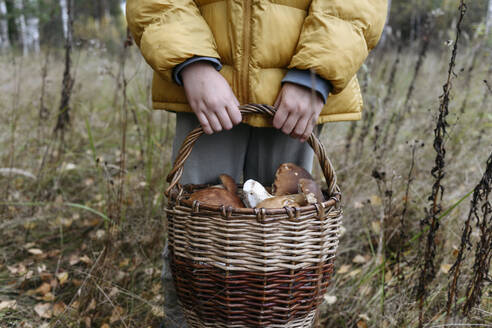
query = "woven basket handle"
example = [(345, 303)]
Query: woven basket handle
[(185, 151)]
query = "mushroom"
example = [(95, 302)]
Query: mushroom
[(312, 191), (296, 200), (257, 196), (220, 195), (287, 178), (228, 183), (254, 193)]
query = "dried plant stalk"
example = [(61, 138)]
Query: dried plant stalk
[(391, 80), (482, 256), (428, 270), (483, 251), (68, 80)]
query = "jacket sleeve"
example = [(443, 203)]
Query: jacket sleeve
[(168, 32), (337, 36)]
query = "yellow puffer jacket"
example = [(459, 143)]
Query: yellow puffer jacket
[(257, 41)]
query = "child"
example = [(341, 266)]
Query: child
[(209, 56)]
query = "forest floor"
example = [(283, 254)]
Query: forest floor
[(81, 232)]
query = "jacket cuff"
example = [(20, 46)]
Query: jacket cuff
[(303, 78), (179, 68)]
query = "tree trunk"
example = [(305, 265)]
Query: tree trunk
[(68, 81), (64, 17), (488, 23), (31, 38), (4, 29), (11, 22), (21, 23)]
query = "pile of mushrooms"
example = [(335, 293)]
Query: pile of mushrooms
[(293, 187)]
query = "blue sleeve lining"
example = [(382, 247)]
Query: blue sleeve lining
[(179, 68), (303, 78)]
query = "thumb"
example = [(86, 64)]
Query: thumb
[(279, 99)]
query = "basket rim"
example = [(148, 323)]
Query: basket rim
[(229, 210)]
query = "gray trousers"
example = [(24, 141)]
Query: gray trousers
[(244, 153)]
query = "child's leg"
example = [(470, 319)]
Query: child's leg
[(212, 155), (174, 317), (268, 148)]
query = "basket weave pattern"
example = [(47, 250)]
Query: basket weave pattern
[(251, 267)]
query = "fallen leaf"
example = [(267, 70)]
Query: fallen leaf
[(105, 325), (343, 230), (359, 259), (388, 276), (29, 245), (358, 205), (344, 268), (124, 263), (157, 311), (445, 268), (12, 305), (116, 314), (354, 273), (92, 305), (85, 259), (74, 259), (48, 297), (68, 166), (330, 299), (46, 276), (100, 234), (375, 200), (41, 268), (114, 291), (35, 251), (20, 269), (77, 282), (44, 310), (62, 277), (29, 225), (59, 308), (75, 305), (361, 324), (43, 289)]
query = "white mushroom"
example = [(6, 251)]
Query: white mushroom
[(254, 193)]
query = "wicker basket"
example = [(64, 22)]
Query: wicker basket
[(251, 267)]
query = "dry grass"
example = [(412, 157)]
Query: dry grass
[(63, 220)]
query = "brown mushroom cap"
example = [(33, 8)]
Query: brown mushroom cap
[(297, 200), (312, 191), (217, 196), (228, 182), (287, 177)]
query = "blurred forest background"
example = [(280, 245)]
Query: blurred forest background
[(83, 161)]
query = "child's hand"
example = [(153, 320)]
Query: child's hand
[(297, 113), (210, 97)]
